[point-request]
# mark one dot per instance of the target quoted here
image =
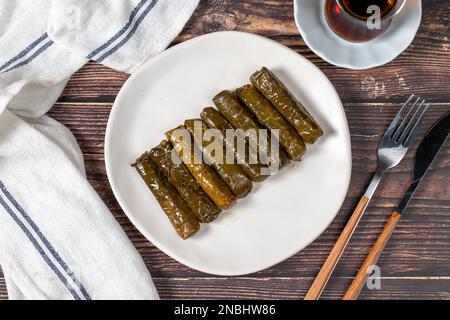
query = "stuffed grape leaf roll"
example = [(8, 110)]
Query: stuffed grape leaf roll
[(178, 212), (204, 174), (178, 175), (233, 175), (240, 117), (280, 97), (272, 119), (215, 120)]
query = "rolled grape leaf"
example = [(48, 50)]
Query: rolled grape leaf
[(233, 175), (178, 212), (215, 120), (178, 175), (240, 117), (204, 174), (280, 97), (272, 119)]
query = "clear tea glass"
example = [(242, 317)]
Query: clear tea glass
[(361, 20)]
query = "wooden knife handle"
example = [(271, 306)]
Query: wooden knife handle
[(372, 258), (329, 265)]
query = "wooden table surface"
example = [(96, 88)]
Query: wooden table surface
[(415, 263)]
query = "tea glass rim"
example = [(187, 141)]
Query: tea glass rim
[(400, 4)]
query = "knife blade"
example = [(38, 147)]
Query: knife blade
[(427, 151)]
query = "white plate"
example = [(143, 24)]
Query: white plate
[(283, 214), (312, 24)]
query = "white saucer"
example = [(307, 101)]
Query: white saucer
[(312, 24)]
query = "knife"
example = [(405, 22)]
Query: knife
[(428, 149)]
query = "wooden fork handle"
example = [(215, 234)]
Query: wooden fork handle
[(372, 258), (329, 265)]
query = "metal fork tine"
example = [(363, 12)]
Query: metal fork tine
[(411, 123), (397, 118), (409, 140), (401, 127)]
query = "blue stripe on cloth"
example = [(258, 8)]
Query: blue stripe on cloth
[(32, 57), (25, 51), (120, 32), (38, 248), (130, 34), (44, 240)]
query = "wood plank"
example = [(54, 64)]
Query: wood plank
[(289, 288), (295, 288)]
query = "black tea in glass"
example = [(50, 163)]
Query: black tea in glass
[(361, 20)]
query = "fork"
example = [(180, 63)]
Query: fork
[(393, 147)]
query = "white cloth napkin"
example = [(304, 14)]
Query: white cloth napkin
[(58, 240)]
